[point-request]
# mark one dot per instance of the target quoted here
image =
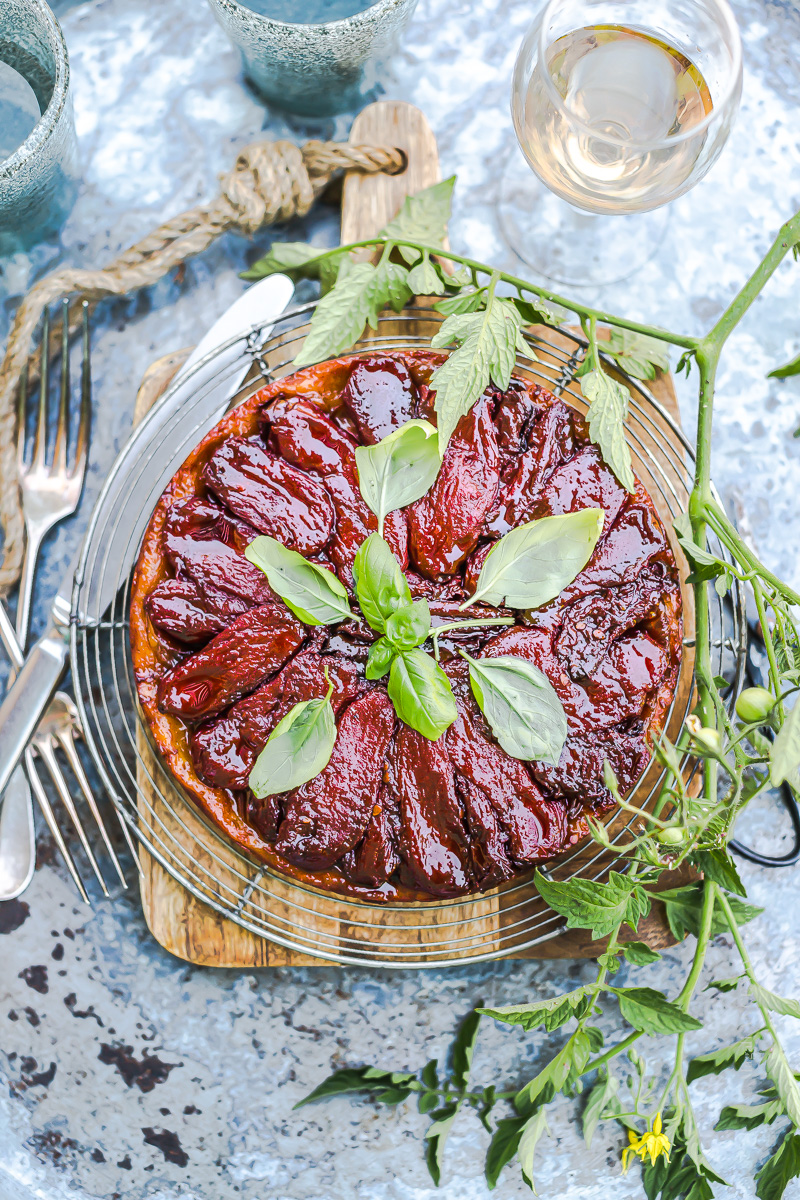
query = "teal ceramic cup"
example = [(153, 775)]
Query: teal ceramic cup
[(38, 176), (315, 69)]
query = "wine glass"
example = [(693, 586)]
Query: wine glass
[(619, 106)]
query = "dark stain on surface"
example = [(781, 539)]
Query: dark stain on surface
[(71, 1002), (36, 978), (13, 913), (58, 951), (33, 1078), (33, 1016), (98, 1156), (125, 1163), (145, 1072), (167, 1142), (50, 1145), (189, 1109)]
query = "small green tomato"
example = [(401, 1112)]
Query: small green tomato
[(755, 704), (673, 835)]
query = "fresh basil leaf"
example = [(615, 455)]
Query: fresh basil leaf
[(718, 865), (521, 705), (780, 1169), (423, 218), (600, 1095), (380, 658), (298, 748), (608, 410), (640, 954), (779, 1004), (651, 1012), (464, 1047), (424, 279), (488, 342), (749, 1116), (381, 586), (503, 1147), (436, 1137), (532, 1131), (784, 761), (534, 562), (399, 469), (421, 694), (466, 301), (599, 907), (340, 317), (639, 355), (409, 626), (314, 594), (347, 1079), (551, 1013), (788, 369)]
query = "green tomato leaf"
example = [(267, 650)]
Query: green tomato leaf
[(464, 1047), (296, 259), (749, 1116), (409, 626), (567, 1064), (608, 409), (488, 342), (784, 761), (719, 1060), (423, 218), (298, 748), (599, 907), (347, 1079), (521, 705), (778, 1171), (380, 658), (468, 300), (503, 1147), (424, 279), (651, 1012), (789, 368), (421, 694), (778, 1004), (600, 1095), (725, 985), (532, 1131), (436, 1137), (640, 954), (381, 586), (314, 594), (534, 562), (551, 1013), (399, 469), (357, 299), (718, 865), (684, 906), (639, 355)]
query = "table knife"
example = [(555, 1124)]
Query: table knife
[(213, 372)]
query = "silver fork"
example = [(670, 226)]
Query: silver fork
[(51, 492)]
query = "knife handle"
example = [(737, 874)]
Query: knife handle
[(28, 697)]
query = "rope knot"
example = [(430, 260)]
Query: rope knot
[(269, 182)]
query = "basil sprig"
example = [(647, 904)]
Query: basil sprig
[(521, 705), (381, 586), (399, 469), (299, 747), (314, 595), (534, 562), (421, 693)]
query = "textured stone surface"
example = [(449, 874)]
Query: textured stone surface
[(129, 1074)]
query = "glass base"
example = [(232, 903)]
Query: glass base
[(566, 244)]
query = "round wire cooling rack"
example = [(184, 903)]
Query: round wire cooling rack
[(505, 921)]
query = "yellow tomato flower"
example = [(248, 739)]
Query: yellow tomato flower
[(653, 1143)]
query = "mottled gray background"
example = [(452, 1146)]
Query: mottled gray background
[(129, 1074)]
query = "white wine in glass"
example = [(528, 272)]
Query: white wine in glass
[(619, 106)]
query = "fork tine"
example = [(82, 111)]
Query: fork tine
[(52, 824), (67, 744), (40, 441), (82, 443), (62, 430), (22, 416), (46, 751)]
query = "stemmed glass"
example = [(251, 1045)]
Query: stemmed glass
[(619, 106)]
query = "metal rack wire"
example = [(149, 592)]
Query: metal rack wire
[(166, 821)]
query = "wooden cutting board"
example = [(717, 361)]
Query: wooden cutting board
[(183, 924)]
